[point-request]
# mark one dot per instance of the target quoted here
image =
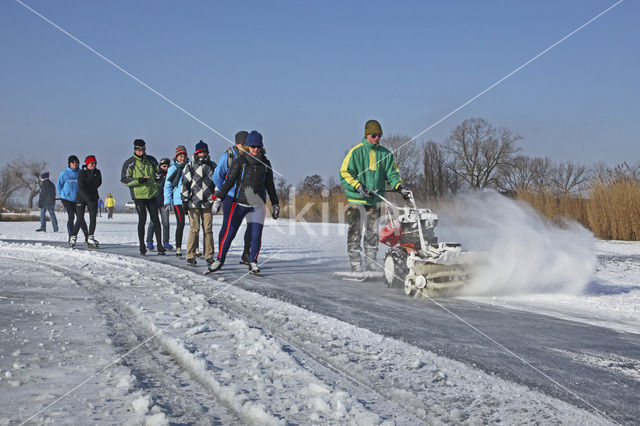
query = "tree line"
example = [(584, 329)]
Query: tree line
[(477, 155)]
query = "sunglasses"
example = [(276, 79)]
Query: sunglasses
[(376, 135), (93, 162)]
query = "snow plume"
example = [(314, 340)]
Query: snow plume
[(525, 252)]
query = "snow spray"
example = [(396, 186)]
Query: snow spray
[(525, 253)]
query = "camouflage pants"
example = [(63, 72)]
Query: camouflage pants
[(355, 216)]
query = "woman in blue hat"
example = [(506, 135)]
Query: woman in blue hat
[(252, 176)]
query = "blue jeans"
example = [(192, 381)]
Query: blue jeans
[(43, 218)]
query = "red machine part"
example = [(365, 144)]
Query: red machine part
[(390, 234)]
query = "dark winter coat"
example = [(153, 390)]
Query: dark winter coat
[(197, 183), (47, 194), (88, 183), (162, 176), (252, 178)]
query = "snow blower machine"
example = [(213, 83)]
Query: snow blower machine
[(416, 261)]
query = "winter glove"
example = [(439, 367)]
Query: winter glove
[(217, 203), (404, 192), (143, 179), (275, 214), (364, 192)]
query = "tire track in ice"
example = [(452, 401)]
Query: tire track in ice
[(343, 406), (378, 400), (159, 374), (320, 367), (182, 400), (323, 368), (403, 376), (365, 360)]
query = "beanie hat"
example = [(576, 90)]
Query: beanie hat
[(73, 158), (181, 150), (45, 175), (165, 161), (254, 139), (139, 143), (90, 159), (241, 137), (201, 146), (372, 127)]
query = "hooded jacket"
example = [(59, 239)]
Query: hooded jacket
[(173, 184), (372, 166), (139, 167), (47, 194), (68, 184), (197, 183), (88, 183), (252, 178)]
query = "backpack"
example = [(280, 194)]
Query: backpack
[(230, 156)]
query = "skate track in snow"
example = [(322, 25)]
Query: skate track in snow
[(579, 356)]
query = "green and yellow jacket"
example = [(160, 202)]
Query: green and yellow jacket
[(138, 167), (369, 165)]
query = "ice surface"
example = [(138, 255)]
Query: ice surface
[(110, 338)]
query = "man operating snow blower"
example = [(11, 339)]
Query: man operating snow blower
[(364, 172)]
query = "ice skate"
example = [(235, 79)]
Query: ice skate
[(254, 269), (213, 267), (92, 242)]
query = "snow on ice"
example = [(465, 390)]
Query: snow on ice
[(108, 337)]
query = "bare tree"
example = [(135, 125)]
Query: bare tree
[(624, 171), (282, 189), (479, 153), (407, 156), (8, 186), (311, 185), (526, 173), (334, 186), (438, 180), (568, 177), (27, 175)]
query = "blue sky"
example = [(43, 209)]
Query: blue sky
[(309, 74)]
